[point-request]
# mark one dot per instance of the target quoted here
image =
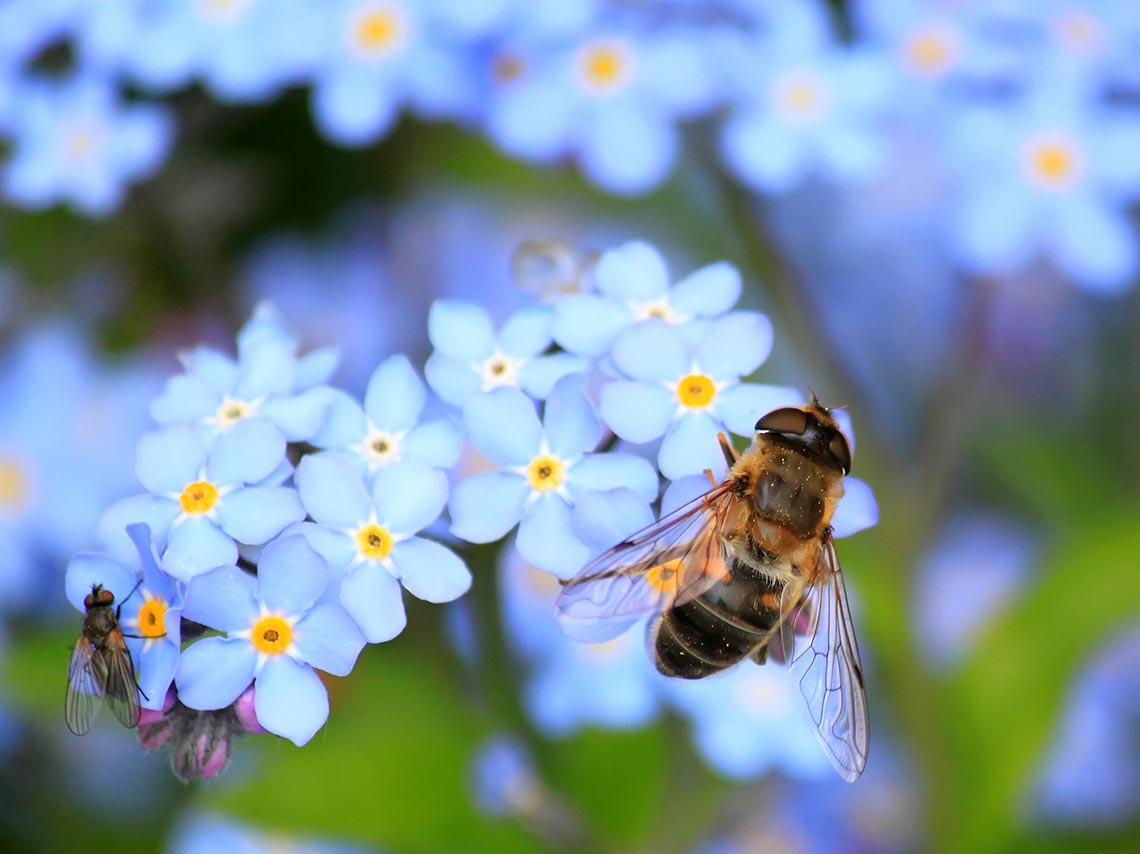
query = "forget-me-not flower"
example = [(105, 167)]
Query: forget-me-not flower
[(372, 538), (276, 633)]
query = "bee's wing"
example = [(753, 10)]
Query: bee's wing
[(122, 691), (86, 681), (669, 562), (823, 657)]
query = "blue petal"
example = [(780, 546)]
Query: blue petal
[(538, 376), (300, 416), (651, 350), (486, 506), (629, 151), (373, 599), (246, 453), (452, 379), (735, 345), (527, 332), (395, 396), (691, 446), (290, 700), (993, 230), (571, 426), (266, 369), (586, 324), (707, 292), (291, 576), (317, 367), (156, 513), (328, 639), (217, 369), (213, 672), (155, 581), (503, 425), (764, 154), (157, 667), (742, 405), (635, 411), (336, 547), (857, 508), (437, 443), (185, 398), (344, 423), (257, 514), (89, 568), (683, 490), (461, 330), (332, 490), (1095, 245), (352, 109), (604, 519), (196, 545), (430, 571), (409, 495), (546, 538), (634, 271), (170, 458), (224, 598), (612, 470)]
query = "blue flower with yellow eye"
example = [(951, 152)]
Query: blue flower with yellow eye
[(546, 467)]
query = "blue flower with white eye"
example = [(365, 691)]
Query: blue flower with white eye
[(1049, 178), (276, 633), (207, 500), (202, 832), (547, 467), (387, 429), (689, 392), (150, 615), (372, 539), (267, 381), (75, 142), (470, 358), (632, 284)]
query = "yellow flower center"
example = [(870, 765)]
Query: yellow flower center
[(605, 65), (1053, 162), (152, 618), (231, 412), (271, 635), (81, 144), (507, 68), (930, 51), (374, 541), (222, 8), (1077, 30), (377, 30), (605, 649), (696, 391), (663, 577), (800, 95), (545, 472), (13, 485), (199, 497)]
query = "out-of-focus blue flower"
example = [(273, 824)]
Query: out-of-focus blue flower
[(1090, 772), (27, 28), (470, 358), (207, 500), (1049, 178), (74, 141), (372, 538), (387, 429), (503, 779), (611, 97), (688, 392), (546, 468), (206, 833), (633, 285), (276, 633), (267, 381)]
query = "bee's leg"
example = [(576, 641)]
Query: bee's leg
[(119, 609), (727, 449), (760, 654)]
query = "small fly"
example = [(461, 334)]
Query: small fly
[(101, 666)]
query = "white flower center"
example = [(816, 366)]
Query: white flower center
[(659, 308), (499, 369), (380, 448), (800, 96)]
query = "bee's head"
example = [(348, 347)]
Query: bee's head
[(99, 595), (812, 427)]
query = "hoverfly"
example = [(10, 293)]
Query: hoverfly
[(101, 666), (747, 569)]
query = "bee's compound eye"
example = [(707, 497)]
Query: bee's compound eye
[(104, 597), (786, 420), (839, 448)]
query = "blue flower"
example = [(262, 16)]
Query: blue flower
[(75, 142), (372, 538), (633, 285), (275, 634), (503, 778), (268, 381), (469, 357), (688, 392), (546, 468), (207, 500), (386, 429), (1051, 178), (205, 833)]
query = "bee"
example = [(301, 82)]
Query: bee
[(101, 666), (746, 570)]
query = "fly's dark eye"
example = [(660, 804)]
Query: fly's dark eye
[(840, 450), (786, 420)]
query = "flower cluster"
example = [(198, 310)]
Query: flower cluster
[(1034, 103), (283, 519)]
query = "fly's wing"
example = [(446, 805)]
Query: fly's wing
[(86, 681), (667, 563), (122, 691), (823, 657)]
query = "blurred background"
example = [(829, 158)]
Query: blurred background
[(934, 202)]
